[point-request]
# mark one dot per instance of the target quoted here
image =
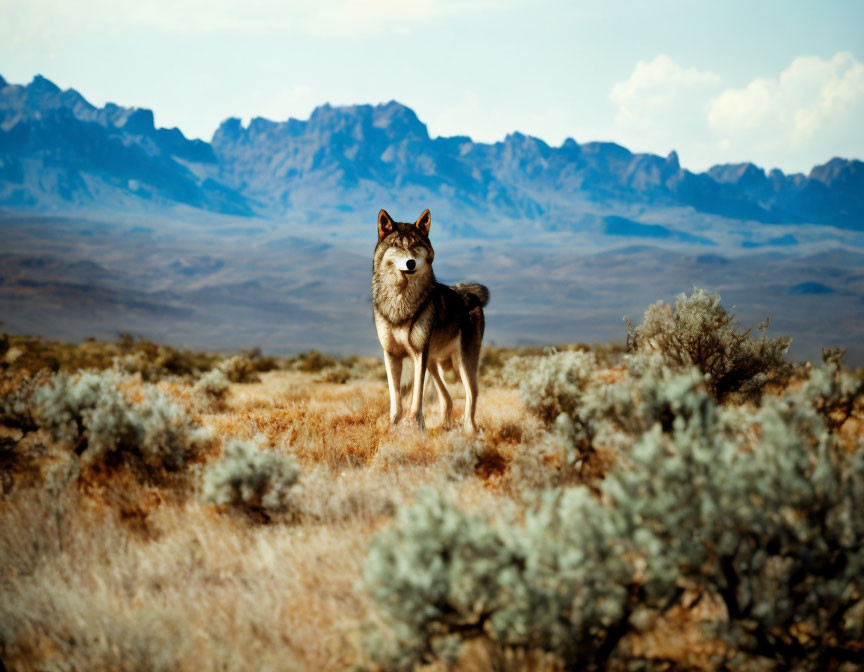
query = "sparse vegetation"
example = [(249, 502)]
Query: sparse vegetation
[(250, 479), (212, 388), (127, 354), (752, 520), (620, 510), (698, 331), (238, 369), (107, 422)]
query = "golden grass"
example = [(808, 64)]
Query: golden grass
[(107, 572), (206, 588)]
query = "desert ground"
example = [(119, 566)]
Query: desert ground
[(113, 561)]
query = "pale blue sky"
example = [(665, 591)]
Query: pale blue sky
[(779, 83)]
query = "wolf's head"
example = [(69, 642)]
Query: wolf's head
[(404, 254)]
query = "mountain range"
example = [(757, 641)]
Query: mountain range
[(60, 153), (263, 236)]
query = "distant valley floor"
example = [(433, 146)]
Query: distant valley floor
[(220, 284)]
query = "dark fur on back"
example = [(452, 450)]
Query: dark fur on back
[(472, 293)]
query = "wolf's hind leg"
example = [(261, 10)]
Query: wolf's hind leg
[(436, 372), (393, 365), (468, 363)]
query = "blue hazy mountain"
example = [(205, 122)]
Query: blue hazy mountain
[(59, 152)]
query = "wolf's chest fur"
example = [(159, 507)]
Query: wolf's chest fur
[(399, 303), (425, 329)]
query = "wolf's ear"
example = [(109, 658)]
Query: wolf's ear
[(423, 222), (385, 225)]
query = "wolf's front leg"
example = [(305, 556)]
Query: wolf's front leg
[(393, 365), (420, 362)]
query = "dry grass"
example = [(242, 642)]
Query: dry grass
[(204, 588), (101, 571)]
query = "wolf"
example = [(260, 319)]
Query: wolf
[(438, 326)]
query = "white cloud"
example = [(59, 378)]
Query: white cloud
[(812, 111), (662, 106), (657, 88), (458, 114)]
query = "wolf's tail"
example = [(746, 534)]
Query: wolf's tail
[(472, 292)]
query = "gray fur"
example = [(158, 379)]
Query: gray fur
[(438, 326)]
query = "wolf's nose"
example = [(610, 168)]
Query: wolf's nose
[(410, 264)]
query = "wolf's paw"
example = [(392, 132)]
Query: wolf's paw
[(471, 429), (418, 422)]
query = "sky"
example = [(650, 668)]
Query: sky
[(777, 83)]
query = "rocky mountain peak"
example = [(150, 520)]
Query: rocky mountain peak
[(344, 156)]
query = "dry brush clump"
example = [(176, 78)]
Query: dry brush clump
[(251, 480), (838, 392), (109, 420), (698, 331), (238, 369), (334, 369), (212, 389)]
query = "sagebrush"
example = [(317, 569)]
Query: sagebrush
[(699, 331), (109, 419), (761, 511), (250, 479)]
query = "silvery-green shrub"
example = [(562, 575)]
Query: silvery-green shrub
[(441, 576), (554, 383), (107, 421), (565, 390), (250, 479), (212, 387), (699, 331), (438, 576), (649, 393), (760, 509), (573, 588), (556, 386)]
